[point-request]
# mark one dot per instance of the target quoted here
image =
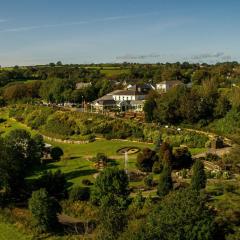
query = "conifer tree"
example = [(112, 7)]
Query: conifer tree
[(199, 179), (165, 184)]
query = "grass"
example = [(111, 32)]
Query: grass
[(10, 232), (195, 151), (114, 72), (75, 163)]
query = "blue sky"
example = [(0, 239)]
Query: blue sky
[(81, 31)]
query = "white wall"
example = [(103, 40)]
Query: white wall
[(124, 97)]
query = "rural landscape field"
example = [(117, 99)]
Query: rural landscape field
[(119, 120)]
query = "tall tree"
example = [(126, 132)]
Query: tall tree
[(165, 184), (199, 179), (44, 210), (148, 109), (111, 187)]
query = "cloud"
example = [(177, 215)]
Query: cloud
[(226, 58), (105, 19), (207, 55), (153, 57), (138, 57)]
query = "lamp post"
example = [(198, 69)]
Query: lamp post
[(126, 163), (82, 103)]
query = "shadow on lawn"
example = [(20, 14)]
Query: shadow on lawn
[(79, 173)]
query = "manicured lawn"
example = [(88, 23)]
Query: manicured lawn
[(75, 163)]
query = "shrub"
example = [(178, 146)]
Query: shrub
[(146, 159), (182, 158), (230, 188), (212, 157), (184, 173), (79, 194), (60, 123), (111, 188), (165, 184), (157, 167), (54, 183), (56, 153), (148, 180), (198, 180), (44, 210), (2, 120), (87, 182)]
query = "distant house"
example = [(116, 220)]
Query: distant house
[(132, 98), (166, 85), (82, 85)]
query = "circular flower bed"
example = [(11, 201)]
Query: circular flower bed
[(129, 150)]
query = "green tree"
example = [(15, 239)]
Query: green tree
[(163, 148), (111, 187), (54, 183), (79, 194), (22, 140), (165, 184), (112, 220), (12, 168), (44, 210), (182, 158), (139, 200), (19, 153), (146, 159), (199, 178), (222, 107), (182, 215), (148, 109), (56, 153)]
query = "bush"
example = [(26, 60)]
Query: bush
[(165, 184), (54, 183), (157, 167), (148, 180), (79, 194), (182, 158), (230, 188), (44, 210), (212, 157), (146, 159), (60, 123), (2, 120), (56, 153), (87, 182)]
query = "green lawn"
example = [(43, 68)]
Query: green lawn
[(75, 162), (10, 232)]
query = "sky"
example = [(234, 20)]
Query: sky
[(103, 31)]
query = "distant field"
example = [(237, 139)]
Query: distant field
[(110, 71), (114, 72)]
